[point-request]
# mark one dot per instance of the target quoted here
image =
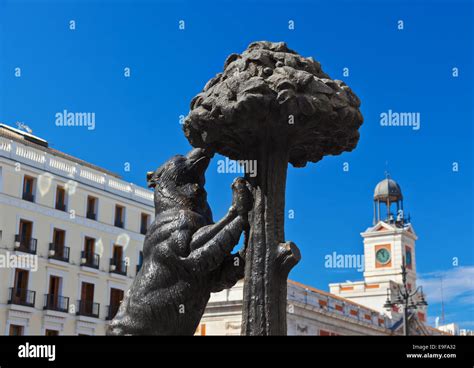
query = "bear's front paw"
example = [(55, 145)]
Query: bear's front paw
[(242, 199)]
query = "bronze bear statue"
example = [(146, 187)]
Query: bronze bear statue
[(185, 255)]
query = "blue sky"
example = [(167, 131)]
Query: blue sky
[(137, 118)]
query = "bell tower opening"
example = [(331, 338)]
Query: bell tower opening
[(388, 203)]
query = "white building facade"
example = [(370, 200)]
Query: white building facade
[(71, 236), (310, 312), (81, 227), (350, 308)]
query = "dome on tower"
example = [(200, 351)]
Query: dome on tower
[(388, 190)]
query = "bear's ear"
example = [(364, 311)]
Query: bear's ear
[(149, 178)]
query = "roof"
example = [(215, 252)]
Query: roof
[(434, 329), (332, 295), (385, 226), (36, 142), (388, 189)]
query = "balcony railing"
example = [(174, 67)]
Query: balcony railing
[(61, 206), (56, 303), (112, 311), (119, 267), (21, 296), (28, 197), (119, 223), (89, 259), (91, 215), (58, 252), (87, 308), (24, 244)]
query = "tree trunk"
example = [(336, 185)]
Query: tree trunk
[(268, 258)]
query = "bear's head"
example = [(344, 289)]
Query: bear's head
[(179, 183)]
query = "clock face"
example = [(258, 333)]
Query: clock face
[(383, 256)]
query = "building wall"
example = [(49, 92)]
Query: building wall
[(18, 160), (310, 312)]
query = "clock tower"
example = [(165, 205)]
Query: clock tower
[(391, 239), (387, 244)]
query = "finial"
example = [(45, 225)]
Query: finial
[(387, 173)]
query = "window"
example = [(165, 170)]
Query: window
[(327, 333), (26, 230), (24, 239), (116, 297), (87, 292), (119, 216), (51, 333), (145, 223), (145, 220), (87, 307), (57, 249), (140, 261), (89, 257), (117, 263), (408, 258), (21, 279), (89, 245), (92, 205), (16, 330), (28, 188), (60, 198), (19, 293), (54, 300)]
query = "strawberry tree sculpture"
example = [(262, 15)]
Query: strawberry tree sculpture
[(276, 107)]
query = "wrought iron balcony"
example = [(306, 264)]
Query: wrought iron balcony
[(91, 215), (119, 267), (21, 296), (61, 206), (24, 244), (112, 311), (90, 259), (56, 303), (59, 252), (28, 197), (88, 308)]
